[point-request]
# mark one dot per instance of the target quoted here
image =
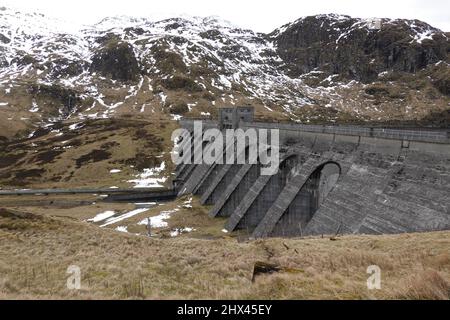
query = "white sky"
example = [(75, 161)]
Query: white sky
[(258, 15)]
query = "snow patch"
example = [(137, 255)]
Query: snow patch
[(178, 231), (102, 216), (159, 221), (124, 216), (34, 107), (75, 126), (122, 229), (150, 178)]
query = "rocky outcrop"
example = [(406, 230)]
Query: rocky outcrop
[(179, 108), (63, 67), (4, 39), (56, 95), (355, 49), (116, 60)]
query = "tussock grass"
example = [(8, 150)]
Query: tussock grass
[(426, 284), (114, 265)]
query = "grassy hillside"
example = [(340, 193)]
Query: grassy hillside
[(36, 250), (75, 155)]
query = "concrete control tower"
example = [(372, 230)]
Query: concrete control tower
[(229, 118)]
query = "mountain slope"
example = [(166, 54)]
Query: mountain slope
[(319, 69), (123, 65)]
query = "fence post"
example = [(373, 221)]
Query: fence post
[(149, 227)]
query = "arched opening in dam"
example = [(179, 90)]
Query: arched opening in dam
[(269, 192), (311, 196)]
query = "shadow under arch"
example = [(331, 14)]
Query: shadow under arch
[(308, 200)]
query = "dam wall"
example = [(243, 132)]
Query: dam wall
[(332, 180)]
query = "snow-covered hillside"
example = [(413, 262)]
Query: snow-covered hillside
[(52, 71)]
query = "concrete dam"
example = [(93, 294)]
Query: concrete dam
[(331, 179)]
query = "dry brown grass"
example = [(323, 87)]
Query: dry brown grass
[(36, 251), (427, 284)]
